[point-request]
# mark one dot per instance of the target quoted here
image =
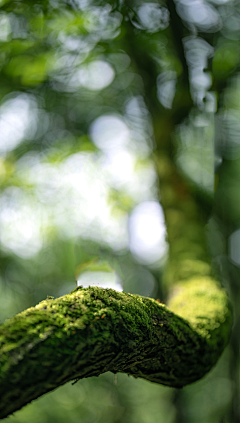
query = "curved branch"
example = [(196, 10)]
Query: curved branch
[(94, 330)]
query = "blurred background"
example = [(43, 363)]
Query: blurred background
[(82, 85)]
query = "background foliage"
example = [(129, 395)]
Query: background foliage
[(79, 182)]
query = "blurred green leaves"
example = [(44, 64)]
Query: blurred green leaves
[(225, 61), (27, 70)]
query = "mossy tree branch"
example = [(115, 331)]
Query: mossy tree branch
[(93, 330)]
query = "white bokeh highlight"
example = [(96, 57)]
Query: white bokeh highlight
[(234, 247), (109, 133), (95, 75), (100, 279), (5, 27), (21, 223), (147, 232), (18, 117)]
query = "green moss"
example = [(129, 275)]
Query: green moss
[(93, 330), (203, 303)]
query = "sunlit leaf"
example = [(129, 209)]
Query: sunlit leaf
[(28, 70)]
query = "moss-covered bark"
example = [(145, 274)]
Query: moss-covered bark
[(94, 330)]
